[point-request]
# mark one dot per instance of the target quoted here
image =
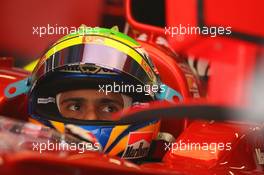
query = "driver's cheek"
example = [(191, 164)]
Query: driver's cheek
[(103, 115)]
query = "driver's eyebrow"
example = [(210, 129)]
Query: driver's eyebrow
[(74, 99), (108, 100)]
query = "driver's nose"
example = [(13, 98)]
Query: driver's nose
[(90, 113)]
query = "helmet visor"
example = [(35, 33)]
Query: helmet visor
[(112, 58)]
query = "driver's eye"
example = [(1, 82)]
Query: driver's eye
[(105, 111), (73, 110), (74, 107), (110, 109)]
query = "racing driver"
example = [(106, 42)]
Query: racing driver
[(86, 77)]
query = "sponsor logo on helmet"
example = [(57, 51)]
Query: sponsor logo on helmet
[(86, 68), (138, 145), (46, 100)]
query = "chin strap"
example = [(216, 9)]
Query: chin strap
[(17, 88), (167, 93)]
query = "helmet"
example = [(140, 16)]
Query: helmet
[(105, 60)]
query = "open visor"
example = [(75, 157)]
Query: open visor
[(83, 105)]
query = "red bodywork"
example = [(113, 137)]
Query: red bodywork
[(232, 65)]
